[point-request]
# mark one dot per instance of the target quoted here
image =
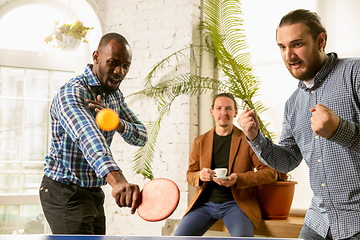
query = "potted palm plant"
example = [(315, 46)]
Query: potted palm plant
[(223, 37), (68, 36)]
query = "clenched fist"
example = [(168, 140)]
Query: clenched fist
[(249, 123), (324, 121)]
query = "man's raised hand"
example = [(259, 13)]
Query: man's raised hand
[(249, 123), (324, 121)]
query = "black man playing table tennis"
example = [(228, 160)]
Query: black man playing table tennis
[(80, 160)]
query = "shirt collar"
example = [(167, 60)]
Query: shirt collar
[(93, 81), (309, 84), (322, 74)]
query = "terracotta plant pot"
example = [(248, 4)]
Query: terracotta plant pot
[(275, 199)]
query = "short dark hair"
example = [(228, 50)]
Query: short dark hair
[(228, 95), (310, 19), (110, 36)]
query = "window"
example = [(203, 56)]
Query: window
[(25, 96), (31, 72), (25, 99), (30, 34)]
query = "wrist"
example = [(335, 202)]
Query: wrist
[(121, 126), (114, 177)]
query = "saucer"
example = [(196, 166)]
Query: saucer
[(221, 178)]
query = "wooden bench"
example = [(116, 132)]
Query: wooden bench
[(289, 228)]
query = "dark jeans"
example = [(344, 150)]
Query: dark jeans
[(70, 209), (307, 233), (203, 216)]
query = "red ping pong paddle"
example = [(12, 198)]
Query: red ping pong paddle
[(159, 199)]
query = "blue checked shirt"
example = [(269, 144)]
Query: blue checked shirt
[(80, 152), (334, 164)]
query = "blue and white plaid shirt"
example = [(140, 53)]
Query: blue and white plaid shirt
[(334, 164), (80, 152)]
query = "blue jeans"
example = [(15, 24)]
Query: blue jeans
[(307, 233), (203, 216)]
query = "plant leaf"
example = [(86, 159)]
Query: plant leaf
[(224, 37)]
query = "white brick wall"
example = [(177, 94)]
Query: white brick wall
[(154, 29)]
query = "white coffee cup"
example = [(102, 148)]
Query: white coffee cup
[(220, 172)]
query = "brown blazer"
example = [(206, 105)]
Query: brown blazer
[(242, 161)]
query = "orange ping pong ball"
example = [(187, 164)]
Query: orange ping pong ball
[(107, 119)]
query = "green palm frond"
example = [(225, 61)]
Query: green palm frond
[(145, 155), (223, 26), (169, 90), (174, 60), (179, 85), (224, 37)]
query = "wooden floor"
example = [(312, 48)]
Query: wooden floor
[(289, 228)]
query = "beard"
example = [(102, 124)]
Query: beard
[(107, 79), (311, 68), (108, 89), (223, 124)]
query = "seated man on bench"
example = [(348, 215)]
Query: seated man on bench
[(233, 199)]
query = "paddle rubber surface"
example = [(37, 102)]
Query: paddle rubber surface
[(159, 199)]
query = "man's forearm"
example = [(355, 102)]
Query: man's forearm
[(115, 177)]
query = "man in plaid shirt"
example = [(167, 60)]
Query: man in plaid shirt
[(321, 126), (80, 160)]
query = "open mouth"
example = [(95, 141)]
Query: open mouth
[(119, 79), (115, 80), (295, 64)]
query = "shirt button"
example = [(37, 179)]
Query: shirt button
[(323, 184), (260, 141), (312, 91), (316, 137), (319, 160), (257, 146)]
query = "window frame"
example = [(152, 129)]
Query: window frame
[(44, 61)]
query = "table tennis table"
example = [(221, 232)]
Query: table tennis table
[(91, 237)]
